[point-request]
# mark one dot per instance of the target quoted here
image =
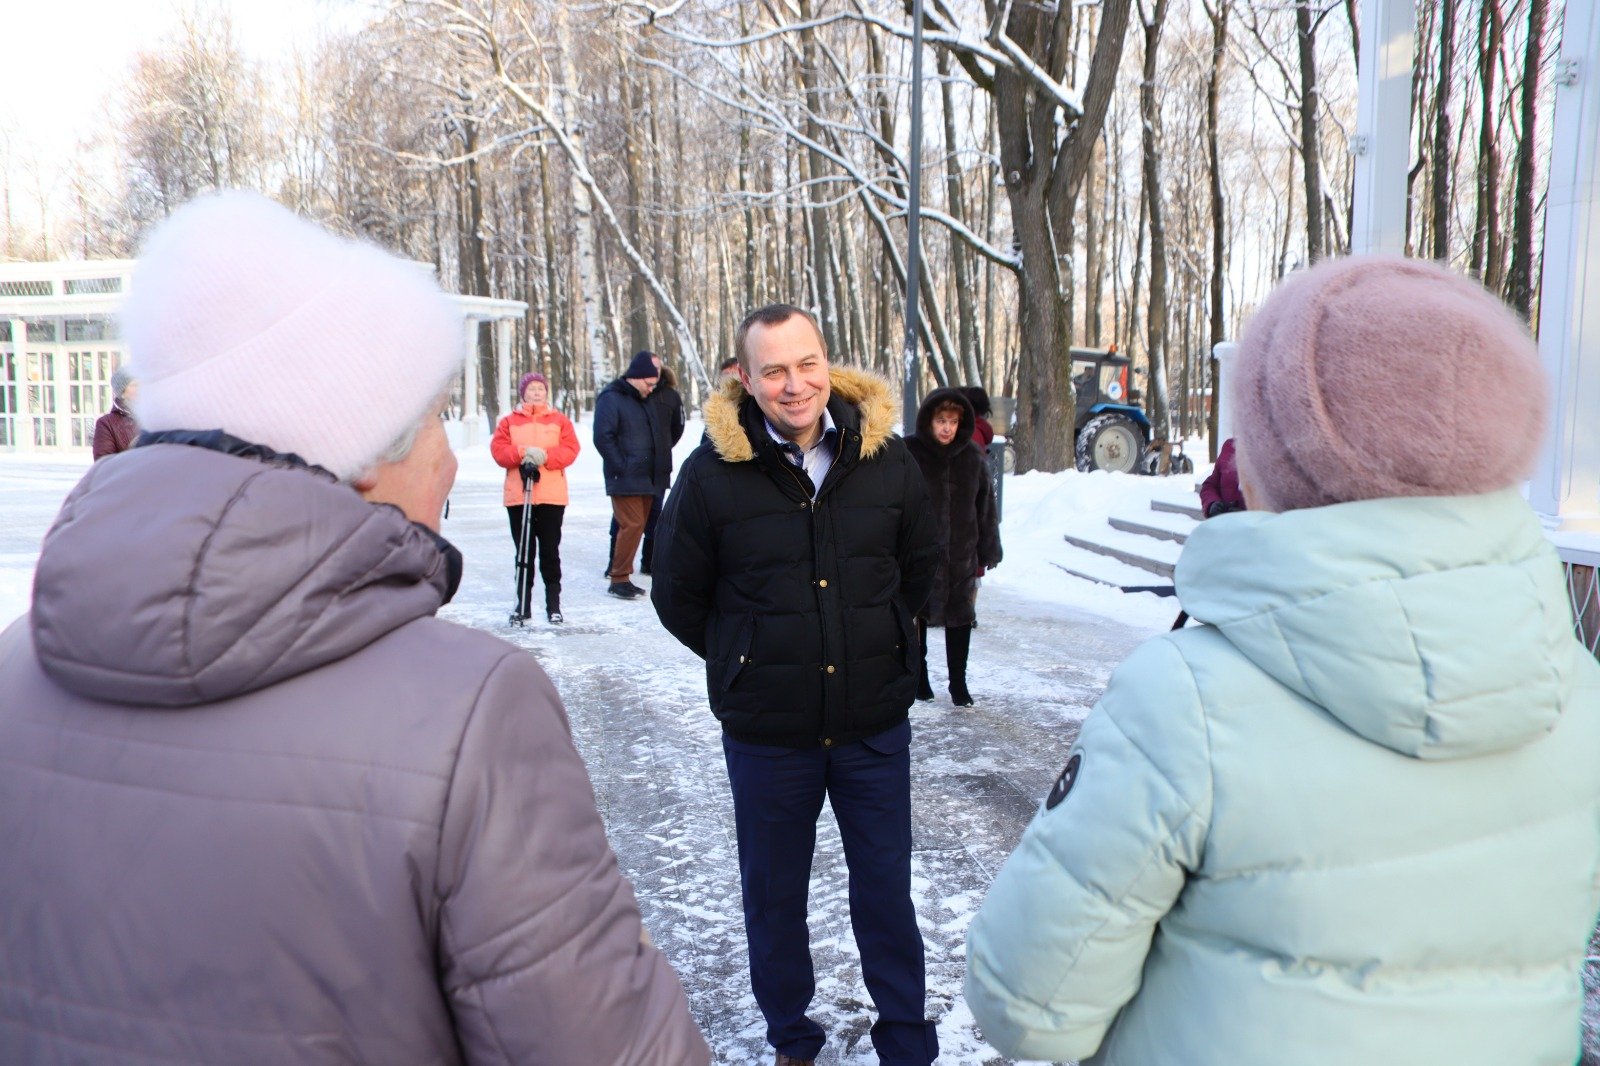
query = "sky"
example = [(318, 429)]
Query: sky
[(64, 59)]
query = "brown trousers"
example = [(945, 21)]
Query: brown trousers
[(631, 513)]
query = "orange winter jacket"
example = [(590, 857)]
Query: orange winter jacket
[(548, 429)]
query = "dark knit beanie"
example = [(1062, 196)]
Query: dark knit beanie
[(643, 366)]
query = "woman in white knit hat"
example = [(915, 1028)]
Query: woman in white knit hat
[(257, 803)]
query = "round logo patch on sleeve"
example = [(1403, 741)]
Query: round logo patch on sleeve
[(1064, 783)]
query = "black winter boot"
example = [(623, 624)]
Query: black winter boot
[(957, 643), (924, 690)]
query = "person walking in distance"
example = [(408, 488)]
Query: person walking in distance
[(538, 435), (666, 412), (665, 406), (962, 498), (258, 804), (115, 430), (624, 434), (793, 556)]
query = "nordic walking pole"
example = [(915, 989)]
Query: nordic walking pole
[(530, 474)]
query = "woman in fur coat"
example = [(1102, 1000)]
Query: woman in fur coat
[(969, 529)]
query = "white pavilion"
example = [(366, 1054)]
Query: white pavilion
[(59, 345)]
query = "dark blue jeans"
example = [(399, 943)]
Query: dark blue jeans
[(777, 797)]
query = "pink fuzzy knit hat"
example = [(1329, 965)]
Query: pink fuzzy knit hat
[(1376, 376), (244, 317)]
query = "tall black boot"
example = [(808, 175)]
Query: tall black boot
[(957, 643), (924, 690)]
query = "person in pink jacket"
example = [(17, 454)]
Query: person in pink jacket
[(538, 435)]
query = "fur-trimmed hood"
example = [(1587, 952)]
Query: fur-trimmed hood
[(870, 395)]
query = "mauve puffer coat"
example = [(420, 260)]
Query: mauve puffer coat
[(257, 805)]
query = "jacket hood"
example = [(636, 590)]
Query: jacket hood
[(869, 394), (936, 399), (1436, 626), (178, 575)]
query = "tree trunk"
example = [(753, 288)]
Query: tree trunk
[(1310, 143), (1150, 114), (1521, 282), (582, 208), (1441, 131), (1043, 170), (1219, 248), (960, 258), (1486, 221)]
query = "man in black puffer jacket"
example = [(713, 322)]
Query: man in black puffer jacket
[(625, 437), (793, 556)]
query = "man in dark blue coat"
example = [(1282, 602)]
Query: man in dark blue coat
[(793, 556), (625, 437)]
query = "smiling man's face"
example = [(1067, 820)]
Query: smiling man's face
[(787, 372)]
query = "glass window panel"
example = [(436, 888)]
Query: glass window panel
[(77, 433), (108, 364), (41, 329), (5, 433)]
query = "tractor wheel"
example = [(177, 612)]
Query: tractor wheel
[(1109, 442), (1183, 465)]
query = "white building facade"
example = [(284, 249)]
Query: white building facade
[(60, 344)]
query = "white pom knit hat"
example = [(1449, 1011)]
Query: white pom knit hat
[(244, 317)]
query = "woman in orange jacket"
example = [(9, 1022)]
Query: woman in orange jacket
[(540, 435)]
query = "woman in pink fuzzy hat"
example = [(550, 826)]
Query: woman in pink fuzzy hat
[(1355, 815)]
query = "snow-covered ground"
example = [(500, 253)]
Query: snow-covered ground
[(1044, 648)]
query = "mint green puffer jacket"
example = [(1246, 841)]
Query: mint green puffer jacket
[(1354, 819)]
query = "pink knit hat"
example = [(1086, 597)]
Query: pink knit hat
[(1376, 376), (244, 317)]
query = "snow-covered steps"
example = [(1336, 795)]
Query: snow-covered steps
[(1177, 507), (1105, 570), (1146, 553), (1159, 530), (1130, 549)]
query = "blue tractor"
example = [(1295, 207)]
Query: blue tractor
[(1112, 430)]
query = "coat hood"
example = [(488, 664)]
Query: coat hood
[(869, 394), (1436, 626), (936, 399), (178, 575)]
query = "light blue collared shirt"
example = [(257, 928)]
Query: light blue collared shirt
[(816, 460)]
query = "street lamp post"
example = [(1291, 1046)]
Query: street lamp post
[(913, 364)]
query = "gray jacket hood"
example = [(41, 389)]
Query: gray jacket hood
[(178, 575)]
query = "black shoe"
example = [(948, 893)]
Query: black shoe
[(645, 569), (554, 617), (924, 690), (625, 590), (960, 696), (517, 618)]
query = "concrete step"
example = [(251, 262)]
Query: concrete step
[(1103, 569), (1149, 529), (1154, 556), (1174, 507)]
